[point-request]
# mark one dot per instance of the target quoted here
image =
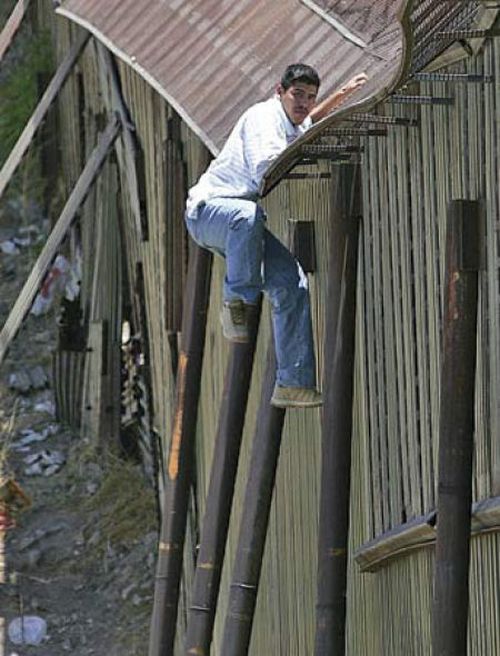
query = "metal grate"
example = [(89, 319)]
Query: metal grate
[(430, 19)]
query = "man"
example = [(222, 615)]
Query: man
[(222, 214)]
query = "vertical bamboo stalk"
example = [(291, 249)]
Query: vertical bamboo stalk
[(179, 465), (254, 520), (451, 573), (337, 418), (220, 494)]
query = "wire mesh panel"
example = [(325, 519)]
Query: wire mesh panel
[(429, 19)]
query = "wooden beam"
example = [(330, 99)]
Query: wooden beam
[(38, 115), (12, 25), (80, 190), (128, 154)]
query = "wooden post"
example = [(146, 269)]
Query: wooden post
[(337, 418), (220, 495), (254, 520), (180, 459), (451, 574)]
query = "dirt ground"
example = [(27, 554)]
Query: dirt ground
[(82, 557)]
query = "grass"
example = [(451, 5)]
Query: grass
[(124, 503), (29, 59)]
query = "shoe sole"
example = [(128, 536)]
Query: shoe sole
[(296, 404)]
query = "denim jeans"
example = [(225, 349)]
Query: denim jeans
[(256, 261)]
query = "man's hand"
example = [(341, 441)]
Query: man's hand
[(353, 85), (338, 97)]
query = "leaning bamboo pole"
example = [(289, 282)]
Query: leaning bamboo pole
[(180, 460), (451, 573), (337, 418), (201, 614), (254, 520)]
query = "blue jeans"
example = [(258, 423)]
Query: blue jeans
[(256, 261)]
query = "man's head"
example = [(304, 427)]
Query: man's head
[(298, 90)]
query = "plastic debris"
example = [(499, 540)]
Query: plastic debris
[(53, 283), (27, 630)]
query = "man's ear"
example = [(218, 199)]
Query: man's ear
[(279, 89)]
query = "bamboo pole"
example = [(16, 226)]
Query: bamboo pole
[(254, 520), (201, 614), (337, 418), (180, 460), (451, 573)]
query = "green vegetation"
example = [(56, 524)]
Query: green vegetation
[(27, 62), (19, 87)]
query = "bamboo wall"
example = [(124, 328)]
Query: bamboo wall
[(408, 179)]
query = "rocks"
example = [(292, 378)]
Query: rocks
[(25, 380), (29, 436), (27, 630), (9, 247), (44, 463)]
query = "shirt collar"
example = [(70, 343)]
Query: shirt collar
[(290, 128)]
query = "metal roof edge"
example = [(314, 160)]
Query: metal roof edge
[(152, 81), (290, 155)]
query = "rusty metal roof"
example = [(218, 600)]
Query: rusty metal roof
[(211, 59)]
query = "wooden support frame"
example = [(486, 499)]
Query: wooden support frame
[(49, 251), (22, 144), (12, 25)]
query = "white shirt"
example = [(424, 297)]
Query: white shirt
[(260, 135)]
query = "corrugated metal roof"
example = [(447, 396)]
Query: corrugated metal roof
[(211, 59)]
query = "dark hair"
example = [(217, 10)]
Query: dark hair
[(299, 73)]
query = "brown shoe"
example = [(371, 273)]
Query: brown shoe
[(296, 397), (234, 320)]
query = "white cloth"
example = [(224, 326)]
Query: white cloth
[(260, 135)]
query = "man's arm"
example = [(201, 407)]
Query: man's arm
[(335, 99)]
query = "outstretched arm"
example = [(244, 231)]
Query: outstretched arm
[(335, 99)]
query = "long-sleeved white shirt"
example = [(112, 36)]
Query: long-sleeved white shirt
[(260, 135)]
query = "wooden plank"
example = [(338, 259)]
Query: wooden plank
[(38, 115), (12, 25), (29, 291), (93, 383), (128, 155)]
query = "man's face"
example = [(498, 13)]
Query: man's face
[(298, 100)]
